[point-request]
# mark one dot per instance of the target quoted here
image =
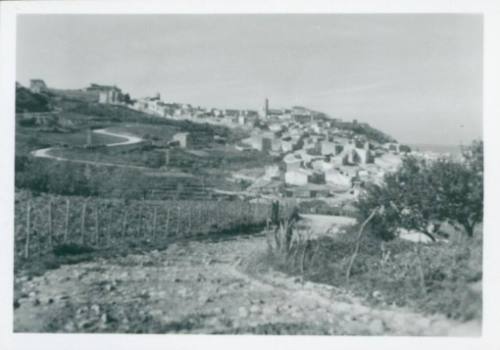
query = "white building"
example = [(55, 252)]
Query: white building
[(335, 178), (297, 177)]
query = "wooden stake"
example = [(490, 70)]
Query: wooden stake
[(178, 221), (140, 218), (82, 224), (358, 240), (50, 222), (66, 221), (167, 222), (154, 222), (124, 223), (108, 229), (28, 229), (96, 238)]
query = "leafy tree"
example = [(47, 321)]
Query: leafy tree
[(422, 194)]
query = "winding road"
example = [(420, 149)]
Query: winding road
[(129, 140)]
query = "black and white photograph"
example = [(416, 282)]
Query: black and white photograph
[(313, 174)]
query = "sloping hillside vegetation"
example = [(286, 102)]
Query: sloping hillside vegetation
[(27, 101)]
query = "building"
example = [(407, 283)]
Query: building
[(261, 143), (107, 94), (337, 179), (292, 162), (184, 139), (297, 177), (37, 86), (327, 147)]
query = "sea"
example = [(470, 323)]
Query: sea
[(440, 149)]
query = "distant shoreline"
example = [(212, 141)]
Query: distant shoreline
[(423, 147)]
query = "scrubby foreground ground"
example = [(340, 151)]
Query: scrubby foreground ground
[(202, 287)]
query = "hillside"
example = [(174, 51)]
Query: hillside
[(27, 101)]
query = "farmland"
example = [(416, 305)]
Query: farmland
[(101, 219), (46, 223)]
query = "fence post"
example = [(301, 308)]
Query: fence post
[(200, 218), (96, 238), (178, 221), (50, 222), (66, 221), (124, 223), (154, 222), (108, 228), (28, 229), (82, 223), (141, 214), (167, 223)]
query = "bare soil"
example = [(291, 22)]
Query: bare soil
[(203, 287)]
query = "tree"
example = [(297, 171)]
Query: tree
[(422, 194), (460, 194)]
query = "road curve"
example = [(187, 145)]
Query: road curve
[(129, 140)]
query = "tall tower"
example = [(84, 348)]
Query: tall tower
[(266, 108)]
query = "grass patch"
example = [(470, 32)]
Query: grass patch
[(439, 278)]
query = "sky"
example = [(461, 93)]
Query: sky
[(417, 77)]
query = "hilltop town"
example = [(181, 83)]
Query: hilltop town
[(317, 156)]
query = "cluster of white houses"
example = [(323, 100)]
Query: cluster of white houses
[(318, 155), (319, 159)]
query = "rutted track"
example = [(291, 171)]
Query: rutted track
[(201, 287)]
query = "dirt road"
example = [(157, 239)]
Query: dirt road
[(128, 140), (202, 287)]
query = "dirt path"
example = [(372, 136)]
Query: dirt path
[(201, 287)]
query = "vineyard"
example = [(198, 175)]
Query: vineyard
[(45, 222)]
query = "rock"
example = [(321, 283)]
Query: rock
[(69, 327), (377, 295), (255, 309), (32, 295), (16, 304), (341, 307), (376, 327), (364, 318), (242, 312), (183, 292), (81, 310), (36, 302), (50, 301), (144, 294), (218, 310), (423, 323), (95, 309)]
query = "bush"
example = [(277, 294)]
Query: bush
[(422, 194), (434, 278), (72, 249)]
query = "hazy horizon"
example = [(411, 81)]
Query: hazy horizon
[(415, 77)]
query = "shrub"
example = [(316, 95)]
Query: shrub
[(421, 194), (433, 278), (72, 249)]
